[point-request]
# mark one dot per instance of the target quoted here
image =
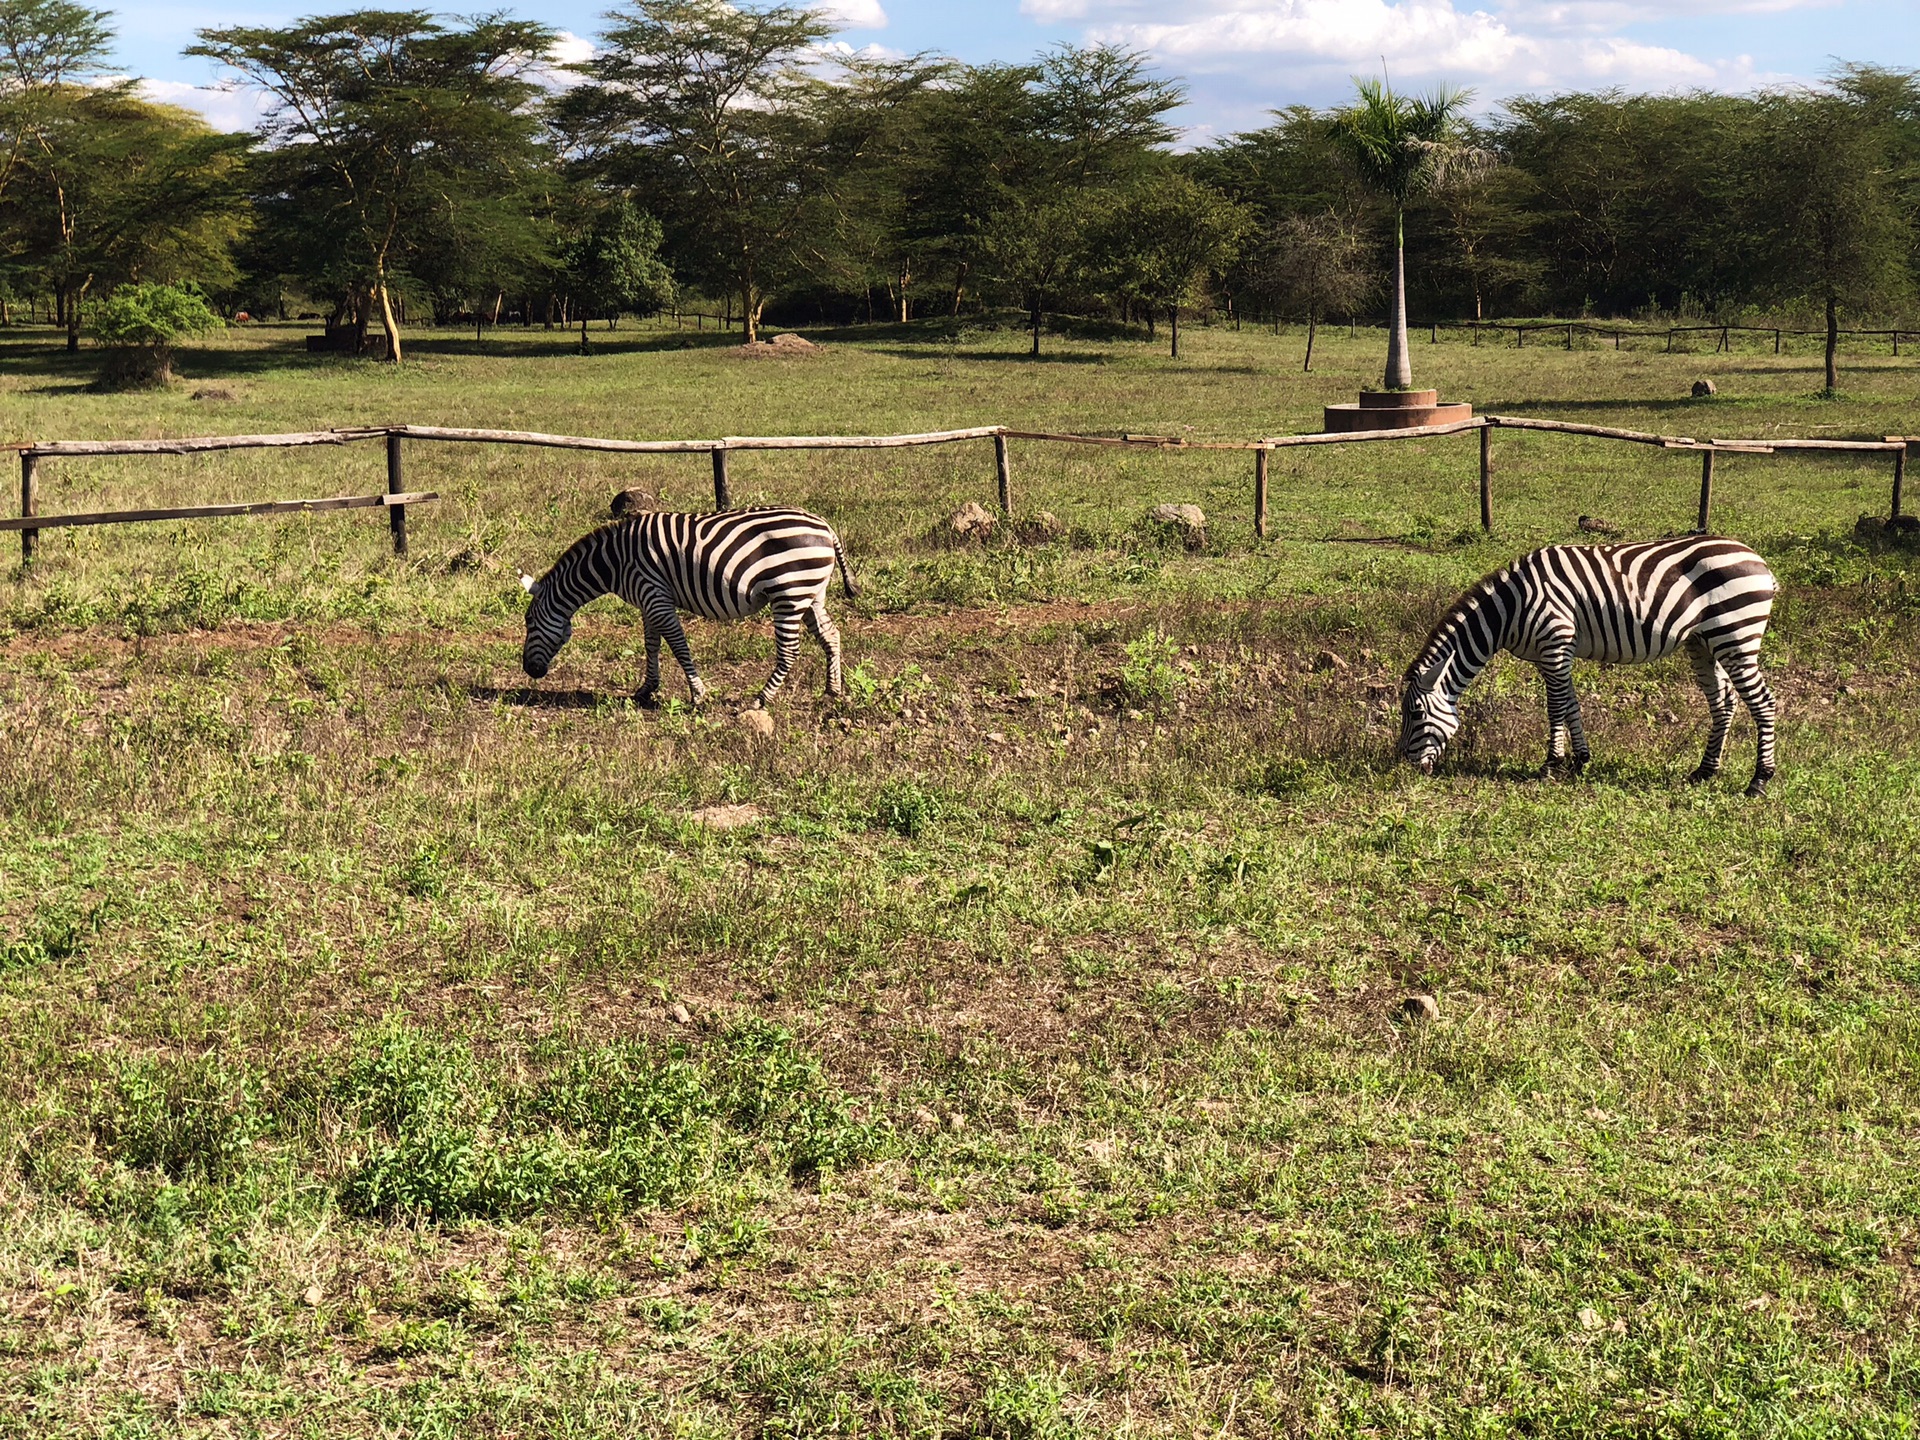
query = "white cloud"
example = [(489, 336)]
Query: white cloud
[(855, 14), (225, 109), (1263, 53)]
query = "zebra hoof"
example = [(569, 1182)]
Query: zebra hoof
[(1757, 788), (647, 699), (1702, 775)]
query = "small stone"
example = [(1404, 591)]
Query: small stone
[(996, 737), (213, 392), (633, 502), (1848, 690), (313, 1296), (1420, 1008), (970, 522), (1703, 388), (925, 1119), (756, 722), (1328, 660), (679, 1014), (1043, 527), (1189, 522), (1589, 1318), (1136, 715), (956, 1121), (1594, 525)]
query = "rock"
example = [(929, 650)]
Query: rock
[(1188, 522), (1594, 525), (313, 1296), (1043, 527), (633, 502), (756, 722), (956, 1121), (727, 817), (1420, 1008), (1328, 660), (798, 343), (1703, 388), (970, 522), (214, 392), (679, 1014), (1589, 1318), (996, 737)]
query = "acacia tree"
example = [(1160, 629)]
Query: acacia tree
[(712, 110), (1834, 230), (1400, 147), (1167, 236), (1311, 265), (389, 126)]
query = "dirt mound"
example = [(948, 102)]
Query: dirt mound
[(780, 347)]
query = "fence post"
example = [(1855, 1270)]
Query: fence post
[(1486, 479), (29, 471), (1726, 340), (1706, 489), (396, 484), (1519, 338), (1896, 343), (1669, 342), (722, 491), (1569, 337), (1476, 332), (1776, 341), (1436, 335), (1260, 491), (1003, 474), (1899, 481)]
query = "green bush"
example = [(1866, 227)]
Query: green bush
[(141, 324)]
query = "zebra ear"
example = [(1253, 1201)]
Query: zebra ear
[(527, 582)]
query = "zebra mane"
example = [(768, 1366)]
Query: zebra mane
[(1446, 629)]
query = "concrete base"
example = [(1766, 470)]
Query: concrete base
[(1394, 410)]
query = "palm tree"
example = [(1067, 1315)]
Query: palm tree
[(1403, 147)]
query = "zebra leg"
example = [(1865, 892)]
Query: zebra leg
[(786, 649), (1719, 692), (649, 689), (1563, 714), (1751, 685), (675, 634), (828, 634)]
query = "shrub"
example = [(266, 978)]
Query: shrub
[(141, 324)]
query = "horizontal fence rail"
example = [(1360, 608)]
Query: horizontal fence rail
[(397, 498)]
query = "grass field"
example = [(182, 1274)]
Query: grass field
[(1015, 1049)]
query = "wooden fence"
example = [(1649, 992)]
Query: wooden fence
[(397, 497), (1565, 330)]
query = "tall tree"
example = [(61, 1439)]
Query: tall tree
[(1310, 265), (1835, 230), (1167, 236), (1401, 147), (612, 263), (46, 47), (717, 113), (389, 126)]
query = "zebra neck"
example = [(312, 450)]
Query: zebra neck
[(1457, 664), (581, 575)]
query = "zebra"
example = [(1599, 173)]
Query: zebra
[(724, 565), (1619, 604)]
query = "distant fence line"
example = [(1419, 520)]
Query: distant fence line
[(397, 497), (1566, 330)]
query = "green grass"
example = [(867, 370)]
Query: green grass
[(393, 1048)]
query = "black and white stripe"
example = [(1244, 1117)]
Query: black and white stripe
[(1619, 604), (725, 565)]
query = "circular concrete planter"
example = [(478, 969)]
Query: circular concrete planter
[(1394, 410)]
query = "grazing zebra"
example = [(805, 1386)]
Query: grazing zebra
[(725, 565), (1619, 604)]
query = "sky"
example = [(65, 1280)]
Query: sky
[(1240, 59)]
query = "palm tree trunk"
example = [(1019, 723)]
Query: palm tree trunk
[(1399, 366), (1833, 343)]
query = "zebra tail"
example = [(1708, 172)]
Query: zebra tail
[(846, 575)]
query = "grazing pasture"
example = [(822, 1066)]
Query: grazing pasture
[(390, 1045)]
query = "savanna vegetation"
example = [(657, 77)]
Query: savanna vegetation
[(410, 166), (1015, 1048)]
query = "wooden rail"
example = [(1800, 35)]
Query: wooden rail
[(397, 498)]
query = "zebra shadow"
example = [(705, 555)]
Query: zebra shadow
[(532, 699)]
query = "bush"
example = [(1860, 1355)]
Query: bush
[(141, 324)]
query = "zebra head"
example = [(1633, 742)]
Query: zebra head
[(1429, 717), (549, 626)]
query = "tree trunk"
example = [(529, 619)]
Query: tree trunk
[(1173, 328), (1152, 323), (1036, 327), (1312, 326), (959, 285), (1399, 366), (1833, 343), (749, 312), (906, 305), (389, 323), (583, 332)]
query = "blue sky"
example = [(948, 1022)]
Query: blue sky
[(1240, 58)]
